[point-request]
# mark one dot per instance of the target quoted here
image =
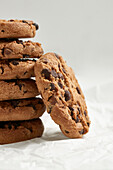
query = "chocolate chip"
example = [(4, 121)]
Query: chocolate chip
[(77, 119), (31, 130), (26, 56), (57, 56), (85, 113), (82, 131), (58, 65), (66, 131), (25, 91), (64, 70), (60, 75), (78, 90), (2, 31), (11, 20), (46, 73), (25, 72), (88, 123), (15, 62), (79, 110), (15, 103), (19, 42), (36, 25), (46, 88), (24, 21), (60, 85), (2, 69), (54, 74), (52, 86), (60, 98), (20, 86), (2, 51), (71, 108), (67, 95)]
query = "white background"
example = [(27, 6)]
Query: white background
[(82, 32)]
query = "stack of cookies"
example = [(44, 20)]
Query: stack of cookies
[(19, 108), (55, 81)]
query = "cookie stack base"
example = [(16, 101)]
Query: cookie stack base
[(11, 132)]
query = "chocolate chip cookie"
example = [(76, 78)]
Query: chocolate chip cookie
[(62, 95), (17, 131), (14, 49), (17, 28), (23, 109), (16, 69), (18, 89)]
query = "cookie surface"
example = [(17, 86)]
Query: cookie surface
[(17, 29), (18, 89), (62, 95), (16, 69), (11, 132), (24, 109), (14, 48)]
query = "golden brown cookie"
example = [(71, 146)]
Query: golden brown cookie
[(11, 132), (14, 49), (18, 89), (17, 28), (62, 95), (16, 69), (21, 109)]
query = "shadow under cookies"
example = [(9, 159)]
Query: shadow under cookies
[(54, 136)]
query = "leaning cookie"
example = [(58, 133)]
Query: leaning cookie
[(17, 28), (11, 132), (16, 69), (18, 89), (21, 109), (14, 49), (62, 95)]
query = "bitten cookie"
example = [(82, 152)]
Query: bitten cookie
[(11, 132), (14, 49), (18, 89), (16, 69), (17, 28), (23, 109), (62, 95)]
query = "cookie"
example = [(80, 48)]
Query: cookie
[(17, 131), (16, 69), (17, 28), (14, 49), (23, 109), (18, 89), (62, 95)]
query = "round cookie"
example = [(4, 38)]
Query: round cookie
[(11, 132), (23, 109), (62, 95), (17, 28), (14, 49), (16, 69), (18, 89)]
